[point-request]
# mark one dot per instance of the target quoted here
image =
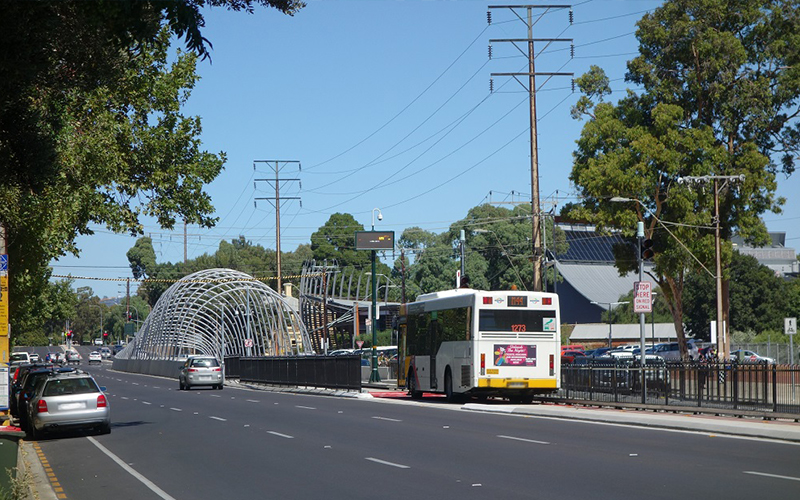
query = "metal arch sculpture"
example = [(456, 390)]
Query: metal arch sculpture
[(219, 311)]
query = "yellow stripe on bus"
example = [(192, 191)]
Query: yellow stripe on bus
[(516, 383)]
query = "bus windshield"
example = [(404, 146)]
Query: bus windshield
[(516, 320)]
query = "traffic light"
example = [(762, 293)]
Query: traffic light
[(647, 249)]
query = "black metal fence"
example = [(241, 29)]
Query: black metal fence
[(737, 386), (335, 372)]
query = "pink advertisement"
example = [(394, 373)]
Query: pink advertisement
[(514, 355)]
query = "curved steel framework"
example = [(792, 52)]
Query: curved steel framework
[(219, 311)]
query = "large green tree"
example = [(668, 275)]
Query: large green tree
[(90, 126), (335, 241), (721, 81)]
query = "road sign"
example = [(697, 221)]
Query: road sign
[(790, 326), (642, 297), (360, 343), (248, 342)]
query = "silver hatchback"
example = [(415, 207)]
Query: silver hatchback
[(200, 370), (68, 400)]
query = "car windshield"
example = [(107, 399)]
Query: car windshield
[(18, 356), (205, 362), (63, 387)]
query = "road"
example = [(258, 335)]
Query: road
[(239, 443)]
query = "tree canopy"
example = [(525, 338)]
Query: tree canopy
[(91, 130), (721, 82)]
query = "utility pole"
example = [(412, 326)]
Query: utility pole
[(723, 341), (185, 253), (531, 88), (276, 203)]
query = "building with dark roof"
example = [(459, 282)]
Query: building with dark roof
[(589, 275)]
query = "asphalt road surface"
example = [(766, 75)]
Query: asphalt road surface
[(239, 443)]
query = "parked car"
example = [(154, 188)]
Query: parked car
[(68, 400), (670, 351), (34, 357), (199, 371), (569, 356), (745, 356), (18, 358), (27, 389), (599, 352), (95, 357)]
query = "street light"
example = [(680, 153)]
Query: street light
[(609, 304), (101, 319), (374, 376)]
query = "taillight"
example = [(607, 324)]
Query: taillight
[(483, 363), (552, 364), (192, 369), (41, 407), (101, 401), (217, 369)]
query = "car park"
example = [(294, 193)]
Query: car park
[(68, 400), (95, 357), (200, 371), (745, 356)]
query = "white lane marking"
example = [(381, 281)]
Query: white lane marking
[(387, 419), (130, 470), (124, 397), (790, 478), (305, 407), (384, 462), (219, 418), (216, 396), (154, 387), (135, 383), (253, 401), (176, 409), (146, 403), (280, 435), (523, 439)]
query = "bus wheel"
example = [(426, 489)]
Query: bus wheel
[(412, 386), (448, 386)]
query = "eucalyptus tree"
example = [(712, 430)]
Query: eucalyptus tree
[(720, 84)]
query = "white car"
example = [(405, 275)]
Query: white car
[(95, 357), (745, 356)]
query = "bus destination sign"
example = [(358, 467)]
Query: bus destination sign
[(374, 240), (517, 301)]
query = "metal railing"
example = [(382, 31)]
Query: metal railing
[(742, 387), (335, 372)]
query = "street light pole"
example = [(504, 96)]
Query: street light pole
[(609, 304), (374, 375)]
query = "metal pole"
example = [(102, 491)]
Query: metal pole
[(642, 354), (374, 375), (463, 259)]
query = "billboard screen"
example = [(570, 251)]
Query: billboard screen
[(374, 240)]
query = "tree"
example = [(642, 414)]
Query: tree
[(336, 241), (721, 83), (91, 130), (759, 299)]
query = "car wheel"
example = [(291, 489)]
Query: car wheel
[(36, 434), (219, 387)]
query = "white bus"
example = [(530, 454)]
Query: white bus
[(467, 342)]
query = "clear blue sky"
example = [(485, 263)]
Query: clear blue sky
[(386, 105)]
